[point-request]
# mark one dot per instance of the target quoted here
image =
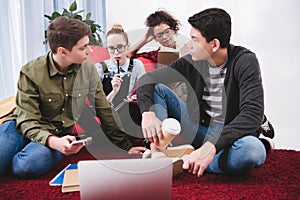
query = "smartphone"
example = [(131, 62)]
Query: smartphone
[(82, 139)]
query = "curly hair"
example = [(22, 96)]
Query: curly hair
[(159, 17)]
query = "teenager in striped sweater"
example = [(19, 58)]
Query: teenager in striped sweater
[(225, 103)]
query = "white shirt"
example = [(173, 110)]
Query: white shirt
[(137, 71)]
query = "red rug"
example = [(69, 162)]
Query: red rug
[(278, 178)]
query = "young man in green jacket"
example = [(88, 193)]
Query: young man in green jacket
[(51, 95)]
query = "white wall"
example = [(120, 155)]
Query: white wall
[(270, 28)]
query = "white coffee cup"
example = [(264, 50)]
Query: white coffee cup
[(170, 128)]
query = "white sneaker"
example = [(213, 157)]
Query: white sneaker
[(177, 166), (176, 162), (146, 154), (184, 146), (174, 152), (268, 142), (179, 151)]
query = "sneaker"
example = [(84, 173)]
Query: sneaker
[(267, 129), (267, 134), (146, 154), (177, 166), (268, 142), (172, 152), (146, 143), (179, 151), (177, 162), (176, 153)]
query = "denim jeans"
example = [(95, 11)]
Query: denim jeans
[(22, 157), (242, 156)]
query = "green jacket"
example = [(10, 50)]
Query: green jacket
[(50, 102)]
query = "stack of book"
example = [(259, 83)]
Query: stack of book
[(67, 179)]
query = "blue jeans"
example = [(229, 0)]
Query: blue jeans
[(242, 156), (22, 157)]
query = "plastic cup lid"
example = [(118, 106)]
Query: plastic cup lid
[(171, 125)]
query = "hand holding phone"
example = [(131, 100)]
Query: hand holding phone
[(82, 139)]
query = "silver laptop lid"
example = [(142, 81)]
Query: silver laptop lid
[(125, 179)]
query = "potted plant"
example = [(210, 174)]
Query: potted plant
[(95, 39)]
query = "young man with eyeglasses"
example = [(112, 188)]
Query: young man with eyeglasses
[(225, 107), (119, 76), (50, 99)]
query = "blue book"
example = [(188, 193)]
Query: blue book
[(58, 179)]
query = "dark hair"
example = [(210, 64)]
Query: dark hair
[(159, 17), (213, 23), (117, 29), (65, 32)]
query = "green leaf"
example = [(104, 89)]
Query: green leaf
[(78, 17), (55, 14), (93, 28), (94, 41), (64, 12), (98, 38), (73, 6), (95, 38), (88, 22), (88, 16), (48, 17), (98, 26)]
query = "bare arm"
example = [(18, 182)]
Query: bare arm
[(148, 37), (116, 85)]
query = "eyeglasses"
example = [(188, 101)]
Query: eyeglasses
[(166, 32), (120, 48)]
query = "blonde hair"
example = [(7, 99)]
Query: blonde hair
[(117, 28)]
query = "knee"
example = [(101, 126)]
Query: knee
[(245, 155), (7, 125), (252, 153), (23, 169), (7, 129), (254, 150), (34, 164), (161, 88), (26, 167)]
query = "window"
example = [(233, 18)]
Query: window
[(22, 33)]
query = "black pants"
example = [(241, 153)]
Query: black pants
[(131, 120)]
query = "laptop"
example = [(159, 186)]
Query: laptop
[(125, 179)]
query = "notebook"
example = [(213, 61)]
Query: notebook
[(58, 179), (125, 179), (71, 181), (166, 57)]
